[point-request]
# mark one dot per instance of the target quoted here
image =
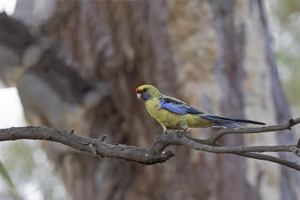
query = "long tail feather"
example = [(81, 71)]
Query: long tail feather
[(229, 122)]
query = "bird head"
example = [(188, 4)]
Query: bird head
[(146, 92)]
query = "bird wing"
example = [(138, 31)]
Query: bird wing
[(179, 107)]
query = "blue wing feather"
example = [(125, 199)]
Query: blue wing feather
[(178, 107)]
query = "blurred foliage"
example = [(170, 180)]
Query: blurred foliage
[(32, 175), (5, 175), (284, 21), (11, 191), (26, 172)]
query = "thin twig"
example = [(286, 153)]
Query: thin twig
[(249, 130)]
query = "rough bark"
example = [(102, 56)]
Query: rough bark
[(209, 53), (156, 154)]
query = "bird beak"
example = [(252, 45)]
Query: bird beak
[(139, 95)]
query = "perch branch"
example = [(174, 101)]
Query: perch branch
[(97, 147), (156, 154)]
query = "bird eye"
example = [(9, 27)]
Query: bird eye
[(145, 90)]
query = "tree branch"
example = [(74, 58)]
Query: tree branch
[(279, 127), (156, 154), (97, 147)]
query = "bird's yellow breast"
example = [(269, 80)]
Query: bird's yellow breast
[(173, 121), (166, 118)]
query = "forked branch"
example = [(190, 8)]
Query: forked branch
[(156, 154)]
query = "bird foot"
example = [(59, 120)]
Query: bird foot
[(182, 133), (157, 139)]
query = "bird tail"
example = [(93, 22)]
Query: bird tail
[(226, 122)]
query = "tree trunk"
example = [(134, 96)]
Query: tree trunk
[(213, 54)]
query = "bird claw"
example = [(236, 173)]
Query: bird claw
[(185, 134), (157, 139), (181, 133)]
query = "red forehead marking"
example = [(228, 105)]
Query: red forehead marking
[(138, 90)]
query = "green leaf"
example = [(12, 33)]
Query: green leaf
[(5, 175)]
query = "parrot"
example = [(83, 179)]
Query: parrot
[(174, 114)]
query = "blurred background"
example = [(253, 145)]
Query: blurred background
[(31, 174), (39, 170), (283, 18)]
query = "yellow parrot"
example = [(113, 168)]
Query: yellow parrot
[(174, 114)]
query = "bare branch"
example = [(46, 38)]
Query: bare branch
[(156, 154), (274, 159), (280, 127), (97, 147), (246, 151)]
